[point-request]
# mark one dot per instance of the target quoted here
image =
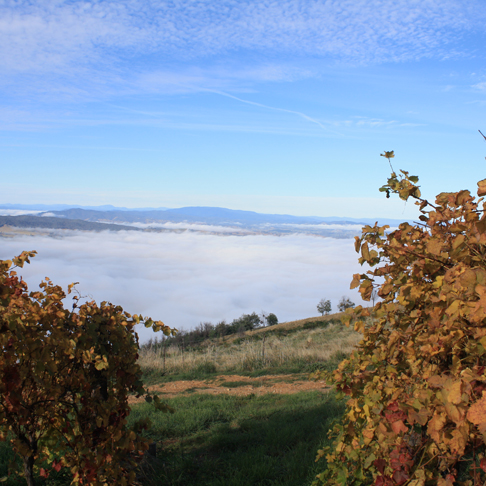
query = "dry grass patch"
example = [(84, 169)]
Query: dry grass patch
[(259, 350)]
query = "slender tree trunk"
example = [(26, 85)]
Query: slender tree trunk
[(29, 469)]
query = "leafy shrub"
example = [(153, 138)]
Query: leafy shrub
[(65, 377), (416, 384)]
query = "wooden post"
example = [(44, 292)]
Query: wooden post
[(164, 347)]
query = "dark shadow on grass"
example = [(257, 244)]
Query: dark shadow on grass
[(271, 448)]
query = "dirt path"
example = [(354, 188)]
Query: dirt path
[(237, 385)]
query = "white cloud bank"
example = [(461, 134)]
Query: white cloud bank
[(184, 279), (17, 212)]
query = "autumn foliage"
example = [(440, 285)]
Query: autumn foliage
[(416, 383), (65, 377)]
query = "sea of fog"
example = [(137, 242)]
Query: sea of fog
[(187, 278)]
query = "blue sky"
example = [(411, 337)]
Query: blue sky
[(272, 106)]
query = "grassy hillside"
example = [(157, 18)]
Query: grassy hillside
[(296, 347)]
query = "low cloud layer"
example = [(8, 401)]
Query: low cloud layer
[(188, 278), (17, 212)]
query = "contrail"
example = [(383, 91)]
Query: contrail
[(241, 100), (303, 115)]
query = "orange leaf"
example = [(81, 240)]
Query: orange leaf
[(437, 381), (459, 441), (482, 188), (477, 412), (453, 391), (399, 426)]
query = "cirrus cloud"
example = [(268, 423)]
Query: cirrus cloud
[(103, 41)]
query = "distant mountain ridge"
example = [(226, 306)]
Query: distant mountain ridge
[(207, 215), (61, 207), (27, 221), (213, 216)]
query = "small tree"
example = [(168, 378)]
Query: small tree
[(324, 306), (271, 319), (65, 377), (247, 322), (221, 328), (345, 303)]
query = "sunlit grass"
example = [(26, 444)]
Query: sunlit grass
[(299, 351)]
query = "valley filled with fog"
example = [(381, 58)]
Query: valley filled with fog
[(184, 278)]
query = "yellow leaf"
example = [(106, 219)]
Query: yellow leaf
[(456, 414), (416, 482), (365, 251), (355, 281), (359, 326), (434, 246), (453, 309), (366, 409), (436, 424), (458, 241), (101, 365)]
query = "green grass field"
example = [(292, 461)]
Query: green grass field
[(239, 441)]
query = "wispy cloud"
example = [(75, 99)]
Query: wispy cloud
[(480, 86), (100, 41), (187, 278)]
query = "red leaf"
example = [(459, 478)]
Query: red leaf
[(379, 481), (401, 477), (482, 464), (44, 473), (379, 464), (346, 389), (393, 406), (383, 481), (56, 466)]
